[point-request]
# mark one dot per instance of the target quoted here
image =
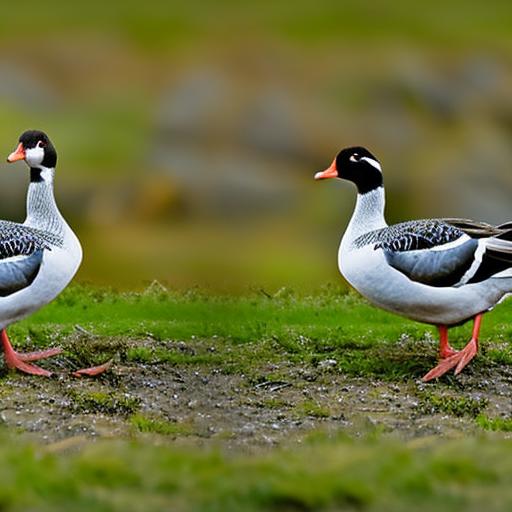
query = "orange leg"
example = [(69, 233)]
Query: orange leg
[(451, 358), (445, 349), (19, 361)]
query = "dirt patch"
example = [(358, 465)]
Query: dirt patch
[(201, 404)]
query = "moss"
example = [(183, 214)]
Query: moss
[(312, 408), (160, 426), (176, 357), (494, 424), (85, 351), (139, 355), (274, 403), (452, 405), (103, 402), (502, 355)]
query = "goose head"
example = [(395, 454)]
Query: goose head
[(36, 149), (355, 164)]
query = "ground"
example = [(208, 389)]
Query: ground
[(272, 382)]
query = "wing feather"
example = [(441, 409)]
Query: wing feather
[(21, 255), (445, 252), (435, 268)]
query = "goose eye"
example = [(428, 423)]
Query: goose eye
[(354, 158), (41, 144)]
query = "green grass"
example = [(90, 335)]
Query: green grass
[(146, 425), (494, 424), (235, 334), (322, 475), (453, 405), (258, 336), (330, 317), (311, 408), (98, 401)]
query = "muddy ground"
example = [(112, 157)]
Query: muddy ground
[(203, 405)]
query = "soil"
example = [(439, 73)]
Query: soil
[(209, 407)]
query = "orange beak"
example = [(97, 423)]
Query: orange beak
[(18, 154), (330, 172)]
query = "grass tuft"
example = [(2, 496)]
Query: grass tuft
[(494, 424), (459, 406), (103, 402), (312, 408), (146, 424)]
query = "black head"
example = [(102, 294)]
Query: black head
[(36, 149), (358, 165)]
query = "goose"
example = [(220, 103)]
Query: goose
[(443, 272), (38, 258)]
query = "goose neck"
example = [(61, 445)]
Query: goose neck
[(42, 210), (368, 214)]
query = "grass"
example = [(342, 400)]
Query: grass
[(321, 475), (98, 401), (236, 334), (454, 405), (265, 341), (146, 424), (311, 408), (494, 424)]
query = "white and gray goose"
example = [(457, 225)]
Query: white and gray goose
[(438, 271), (39, 257)]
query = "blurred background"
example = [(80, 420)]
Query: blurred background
[(188, 133)]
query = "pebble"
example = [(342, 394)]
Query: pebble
[(328, 363)]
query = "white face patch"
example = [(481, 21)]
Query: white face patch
[(34, 156), (47, 174), (372, 162)]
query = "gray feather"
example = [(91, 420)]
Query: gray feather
[(20, 273), (21, 254), (435, 268)]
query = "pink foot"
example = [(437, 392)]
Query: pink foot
[(467, 353), (15, 360), (94, 370), (451, 358), (447, 352), (20, 361), (458, 361), (42, 354)]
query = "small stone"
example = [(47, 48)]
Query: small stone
[(328, 363)]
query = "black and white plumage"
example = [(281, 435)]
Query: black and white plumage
[(439, 271), (443, 252), (21, 255), (38, 258)]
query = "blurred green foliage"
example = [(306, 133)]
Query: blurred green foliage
[(188, 132), (321, 475)]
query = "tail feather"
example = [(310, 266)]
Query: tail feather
[(506, 225), (499, 245)]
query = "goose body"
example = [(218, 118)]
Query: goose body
[(438, 271), (38, 258)]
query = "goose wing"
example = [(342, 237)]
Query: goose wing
[(447, 252), (431, 252), (21, 256)]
